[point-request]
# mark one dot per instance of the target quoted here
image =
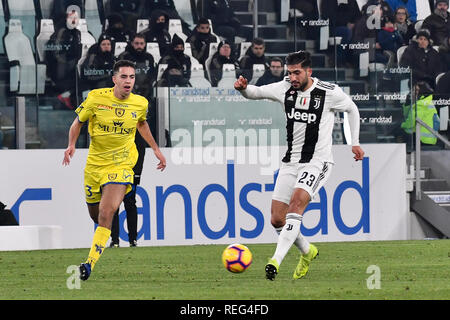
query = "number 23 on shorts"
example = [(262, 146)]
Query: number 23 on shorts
[(307, 178)]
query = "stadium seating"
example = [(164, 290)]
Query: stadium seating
[(228, 76), (188, 51), (24, 11), (176, 28), (119, 48), (212, 50), (46, 9), (153, 49), (198, 77), (45, 32), (141, 25), (2, 27), (212, 31), (423, 9), (92, 17), (400, 52), (87, 39), (258, 71), (418, 25), (243, 49), (25, 76), (161, 68)]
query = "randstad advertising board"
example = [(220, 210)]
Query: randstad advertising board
[(216, 199)]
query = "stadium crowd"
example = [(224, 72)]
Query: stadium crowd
[(398, 27), (424, 44)]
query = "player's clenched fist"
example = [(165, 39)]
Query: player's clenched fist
[(241, 83)]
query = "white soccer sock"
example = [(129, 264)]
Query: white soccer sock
[(302, 244), (278, 230), (287, 236)]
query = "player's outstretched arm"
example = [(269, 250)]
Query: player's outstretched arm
[(270, 91), (74, 133), (145, 132)]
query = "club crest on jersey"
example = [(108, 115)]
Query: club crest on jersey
[(112, 176), (120, 112)]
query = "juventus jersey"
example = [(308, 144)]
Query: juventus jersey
[(309, 116)]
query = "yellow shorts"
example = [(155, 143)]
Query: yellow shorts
[(94, 180)]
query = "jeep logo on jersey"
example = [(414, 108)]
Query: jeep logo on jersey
[(301, 116), (120, 112)]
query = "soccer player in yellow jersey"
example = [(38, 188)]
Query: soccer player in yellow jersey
[(114, 114)]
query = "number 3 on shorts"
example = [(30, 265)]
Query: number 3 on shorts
[(309, 182)]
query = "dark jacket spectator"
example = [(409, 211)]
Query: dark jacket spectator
[(224, 20), (168, 6), (423, 60), (96, 70), (145, 65), (254, 55), (224, 55), (438, 23), (404, 25), (64, 51), (389, 40), (200, 40), (410, 5), (157, 31), (340, 14), (342, 18), (309, 12), (274, 74), (129, 10), (176, 59), (117, 31)]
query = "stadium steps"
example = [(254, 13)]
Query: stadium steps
[(246, 18), (434, 206), (245, 6), (436, 215), (442, 198)]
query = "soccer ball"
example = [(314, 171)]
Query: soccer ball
[(236, 258)]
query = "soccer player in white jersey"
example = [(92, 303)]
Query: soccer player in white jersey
[(310, 106)]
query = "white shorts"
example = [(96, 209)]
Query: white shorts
[(307, 176)]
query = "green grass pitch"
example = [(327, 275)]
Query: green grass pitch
[(407, 270)]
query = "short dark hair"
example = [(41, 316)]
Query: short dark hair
[(138, 35), (276, 59), (300, 57), (202, 21), (123, 63), (258, 42)]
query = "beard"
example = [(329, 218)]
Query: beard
[(442, 13), (302, 85)]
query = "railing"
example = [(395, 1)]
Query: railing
[(420, 122)]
